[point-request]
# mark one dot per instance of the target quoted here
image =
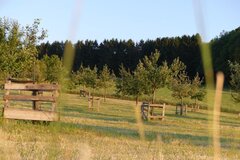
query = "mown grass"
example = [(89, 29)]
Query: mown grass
[(112, 133), (164, 95)]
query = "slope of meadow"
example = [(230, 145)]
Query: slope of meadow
[(112, 133)]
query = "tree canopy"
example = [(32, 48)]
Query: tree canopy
[(18, 50)]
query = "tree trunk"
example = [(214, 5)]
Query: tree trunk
[(104, 96), (181, 110), (136, 101), (153, 95), (92, 97), (181, 101), (92, 100)]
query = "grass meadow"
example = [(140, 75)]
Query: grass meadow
[(112, 133)]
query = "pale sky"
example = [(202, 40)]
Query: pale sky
[(124, 19)]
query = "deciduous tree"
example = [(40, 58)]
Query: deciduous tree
[(106, 80), (18, 47), (157, 75)]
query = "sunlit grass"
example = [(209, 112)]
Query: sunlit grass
[(112, 133)]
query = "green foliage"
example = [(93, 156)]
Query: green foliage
[(39, 71), (133, 84), (87, 77), (197, 92), (78, 77), (115, 52), (235, 80), (181, 86), (52, 68), (122, 84), (226, 47), (106, 79), (90, 77), (180, 82), (18, 48), (156, 75), (177, 67)]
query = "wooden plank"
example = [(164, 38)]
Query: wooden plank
[(156, 105), (156, 117), (27, 114), (29, 98), (20, 80), (145, 109), (31, 87)]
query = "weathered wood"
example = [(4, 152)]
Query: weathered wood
[(91, 103), (28, 114), (31, 87), (157, 105), (83, 93), (163, 111), (181, 109), (148, 111), (54, 105), (29, 98), (156, 117), (7, 92), (20, 81), (37, 97)]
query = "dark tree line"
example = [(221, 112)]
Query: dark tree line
[(115, 52), (226, 48)]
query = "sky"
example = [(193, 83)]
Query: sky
[(125, 19)]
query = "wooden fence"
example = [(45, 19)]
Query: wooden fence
[(30, 92)]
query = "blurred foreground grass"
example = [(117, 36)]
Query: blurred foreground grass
[(112, 133)]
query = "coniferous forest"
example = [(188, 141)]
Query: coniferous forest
[(115, 52)]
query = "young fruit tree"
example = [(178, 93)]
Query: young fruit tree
[(156, 75), (106, 80), (78, 77), (197, 93), (181, 86), (133, 84), (90, 79), (180, 82), (52, 69)]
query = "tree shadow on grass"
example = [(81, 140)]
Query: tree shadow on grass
[(187, 117), (166, 137), (85, 113)]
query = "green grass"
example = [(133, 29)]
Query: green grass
[(112, 133), (165, 95)]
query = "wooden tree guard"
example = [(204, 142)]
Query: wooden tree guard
[(83, 93), (181, 109), (36, 113), (91, 103), (147, 111), (194, 107)]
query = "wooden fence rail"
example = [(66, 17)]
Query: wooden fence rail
[(33, 93)]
